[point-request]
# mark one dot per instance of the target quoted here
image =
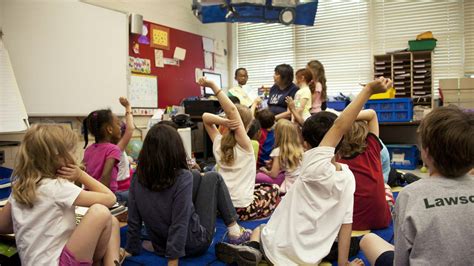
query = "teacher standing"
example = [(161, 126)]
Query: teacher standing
[(282, 88)]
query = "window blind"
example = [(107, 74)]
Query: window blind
[(261, 47), (347, 34), (340, 41), (395, 23), (469, 37)]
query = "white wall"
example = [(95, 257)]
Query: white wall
[(175, 14)]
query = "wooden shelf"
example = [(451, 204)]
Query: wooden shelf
[(410, 72)]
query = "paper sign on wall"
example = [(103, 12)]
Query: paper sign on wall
[(143, 91), (159, 58), (208, 44), (208, 60), (179, 53)]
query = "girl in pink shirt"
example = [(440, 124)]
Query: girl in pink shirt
[(101, 158), (317, 86)]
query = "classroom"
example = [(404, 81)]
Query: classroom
[(236, 132)]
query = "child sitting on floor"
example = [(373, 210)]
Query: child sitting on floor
[(101, 159), (267, 137), (318, 207), (360, 150), (177, 207), (285, 157), (235, 158), (41, 209), (433, 215)]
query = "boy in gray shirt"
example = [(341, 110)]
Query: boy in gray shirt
[(433, 216)]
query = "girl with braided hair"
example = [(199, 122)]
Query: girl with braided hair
[(101, 159)]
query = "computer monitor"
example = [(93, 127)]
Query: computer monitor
[(216, 77)]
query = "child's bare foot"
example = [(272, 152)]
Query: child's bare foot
[(356, 262)]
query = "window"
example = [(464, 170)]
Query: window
[(261, 47), (469, 37), (347, 34), (442, 18), (340, 41)]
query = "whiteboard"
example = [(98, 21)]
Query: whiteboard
[(143, 91), (69, 57), (13, 116)]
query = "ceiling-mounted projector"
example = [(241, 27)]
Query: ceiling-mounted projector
[(299, 12)]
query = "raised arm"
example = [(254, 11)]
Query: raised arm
[(370, 116), (210, 121), (231, 113), (344, 123), (122, 144), (257, 102)]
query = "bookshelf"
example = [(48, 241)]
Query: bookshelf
[(411, 73)]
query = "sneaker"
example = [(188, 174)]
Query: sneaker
[(244, 237), (240, 254)]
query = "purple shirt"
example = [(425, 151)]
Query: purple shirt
[(95, 157)]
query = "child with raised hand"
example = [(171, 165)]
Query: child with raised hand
[(41, 209), (360, 150), (433, 216), (285, 157), (177, 207), (235, 158), (123, 175), (318, 207), (101, 159)]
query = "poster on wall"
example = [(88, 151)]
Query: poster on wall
[(139, 65), (143, 91), (160, 37), (159, 58)]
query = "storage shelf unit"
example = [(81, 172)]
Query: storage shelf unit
[(411, 73)]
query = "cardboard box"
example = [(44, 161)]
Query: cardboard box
[(462, 104), (449, 84), (466, 83), (459, 95)]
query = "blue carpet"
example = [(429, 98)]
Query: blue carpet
[(209, 258)]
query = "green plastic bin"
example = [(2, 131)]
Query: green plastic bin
[(422, 45)]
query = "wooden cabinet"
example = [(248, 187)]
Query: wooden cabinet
[(411, 73)]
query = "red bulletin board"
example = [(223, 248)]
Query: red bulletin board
[(174, 82)]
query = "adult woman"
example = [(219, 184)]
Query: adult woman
[(282, 88)]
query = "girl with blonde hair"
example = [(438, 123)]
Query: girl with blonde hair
[(235, 158), (286, 156), (41, 209)]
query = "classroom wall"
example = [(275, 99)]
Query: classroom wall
[(175, 14)]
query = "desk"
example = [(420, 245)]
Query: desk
[(201, 141), (399, 132)]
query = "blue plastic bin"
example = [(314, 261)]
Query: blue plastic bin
[(337, 105), (403, 156), (392, 110), (5, 184)]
